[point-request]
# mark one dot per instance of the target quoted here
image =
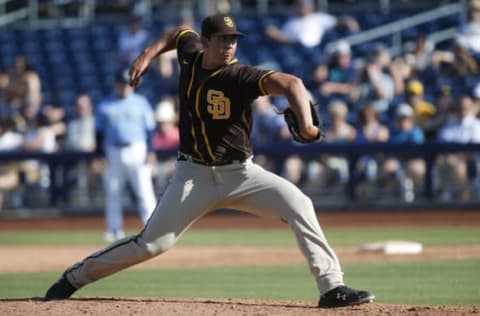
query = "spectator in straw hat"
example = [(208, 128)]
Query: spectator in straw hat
[(166, 138)]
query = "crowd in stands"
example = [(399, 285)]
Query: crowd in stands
[(423, 95)]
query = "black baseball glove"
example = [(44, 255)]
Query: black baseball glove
[(294, 128)]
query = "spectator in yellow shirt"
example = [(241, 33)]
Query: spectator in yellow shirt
[(423, 110)]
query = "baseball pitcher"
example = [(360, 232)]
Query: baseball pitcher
[(215, 167)]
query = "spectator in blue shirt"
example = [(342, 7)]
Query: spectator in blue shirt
[(337, 77), (405, 130), (407, 173)]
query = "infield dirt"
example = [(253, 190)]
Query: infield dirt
[(238, 255), (116, 306)]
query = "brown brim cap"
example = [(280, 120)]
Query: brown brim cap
[(219, 24)]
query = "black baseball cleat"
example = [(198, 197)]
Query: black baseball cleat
[(60, 290), (344, 296)]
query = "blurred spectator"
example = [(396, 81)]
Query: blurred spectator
[(407, 173), (40, 136), (370, 131), (131, 41), (469, 34), (405, 130), (422, 109), (380, 81), (166, 138), (211, 7), (4, 81), (463, 62), (466, 128), (336, 78), (456, 170), (308, 26), (460, 60), (270, 128), (166, 135), (9, 171), (421, 57), (24, 90), (80, 134), (340, 131)]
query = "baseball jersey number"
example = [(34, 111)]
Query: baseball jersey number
[(218, 105)]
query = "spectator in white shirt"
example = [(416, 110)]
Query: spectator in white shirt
[(469, 34), (308, 27), (455, 170), (9, 171)]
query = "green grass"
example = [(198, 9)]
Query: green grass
[(432, 282), (260, 237)]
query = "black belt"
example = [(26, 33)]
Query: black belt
[(183, 157), (121, 145)]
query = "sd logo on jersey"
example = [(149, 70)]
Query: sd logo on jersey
[(218, 105)]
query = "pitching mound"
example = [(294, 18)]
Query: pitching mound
[(116, 306)]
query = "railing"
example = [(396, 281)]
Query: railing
[(28, 14), (12, 16), (395, 28), (352, 152)]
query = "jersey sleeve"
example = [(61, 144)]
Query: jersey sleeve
[(188, 44), (251, 80)]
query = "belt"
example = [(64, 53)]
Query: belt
[(184, 157), (121, 145)]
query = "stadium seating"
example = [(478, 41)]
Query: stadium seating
[(74, 60)]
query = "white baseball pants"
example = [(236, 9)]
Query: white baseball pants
[(127, 164)]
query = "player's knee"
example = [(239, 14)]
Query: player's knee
[(302, 203), (160, 245)]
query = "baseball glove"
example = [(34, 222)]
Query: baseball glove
[(293, 126)]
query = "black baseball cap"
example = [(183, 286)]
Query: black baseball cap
[(219, 24), (122, 77)]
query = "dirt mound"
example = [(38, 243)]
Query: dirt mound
[(57, 258), (116, 306)]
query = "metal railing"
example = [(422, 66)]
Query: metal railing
[(395, 28), (12, 16), (60, 161)]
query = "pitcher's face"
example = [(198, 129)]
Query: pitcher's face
[(221, 48)]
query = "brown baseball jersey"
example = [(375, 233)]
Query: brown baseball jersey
[(215, 105)]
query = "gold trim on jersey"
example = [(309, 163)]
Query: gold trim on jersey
[(260, 82), (190, 84), (192, 75), (195, 146), (179, 36), (197, 108)]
